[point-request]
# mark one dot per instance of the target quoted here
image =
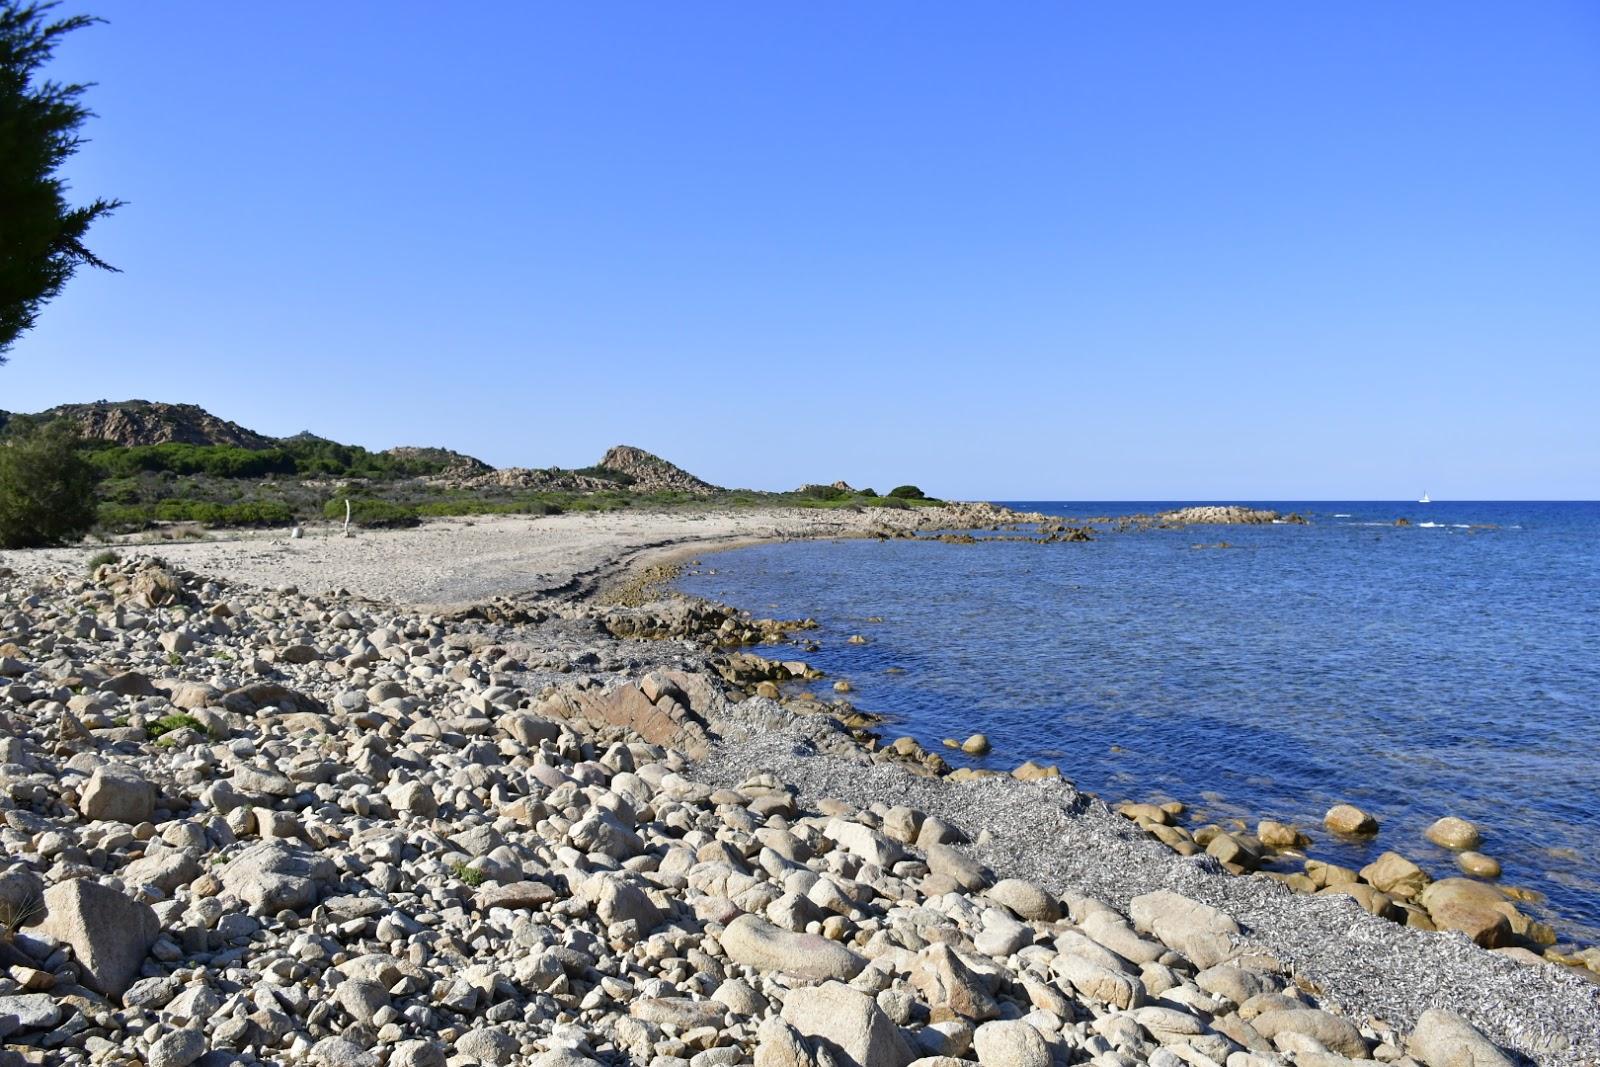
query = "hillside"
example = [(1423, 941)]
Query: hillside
[(651, 473), (131, 423), (164, 464)]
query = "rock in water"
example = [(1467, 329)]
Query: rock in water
[(1349, 819), (1453, 833), (110, 934)]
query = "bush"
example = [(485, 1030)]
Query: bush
[(101, 559), (372, 512), (821, 492), (46, 489), (893, 502), (907, 492)]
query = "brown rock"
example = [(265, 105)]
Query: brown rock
[(1350, 820), (1453, 833), (1394, 874)]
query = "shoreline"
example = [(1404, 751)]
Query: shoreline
[(1072, 843)]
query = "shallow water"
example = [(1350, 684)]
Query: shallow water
[(1446, 669)]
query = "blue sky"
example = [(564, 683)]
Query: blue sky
[(1111, 251)]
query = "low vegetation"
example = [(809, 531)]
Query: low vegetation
[(71, 486), (46, 489)]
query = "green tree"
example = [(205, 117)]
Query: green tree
[(41, 235), (46, 488)]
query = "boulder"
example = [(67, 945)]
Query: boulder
[(957, 865), (1011, 1043), (754, 942), (1197, 930), (118, 794), (779, 1045), (273, 876), (864, 842), (1099, 982), (1349, 820), (176, 1048), (1478, 865), (1274, 834), (110, 933), (164, 870), (1334, 1032), (1394, 874), (1471, 907), (949, 987), (1453, 833), (848, 1024), (29, 1011), (515, 896), (1444, 1039), (1026, 899), (617, 901)]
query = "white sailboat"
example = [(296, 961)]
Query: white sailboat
[(1425, 498)]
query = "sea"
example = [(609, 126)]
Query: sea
[(1450, 666)]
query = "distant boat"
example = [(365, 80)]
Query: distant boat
[(1425, 498)]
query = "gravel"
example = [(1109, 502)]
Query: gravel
[(1069, 841)]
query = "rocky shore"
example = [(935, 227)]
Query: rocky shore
[(259, 812)]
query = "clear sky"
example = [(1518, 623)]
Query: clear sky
[(1042, 250)]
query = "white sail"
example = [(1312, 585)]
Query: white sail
[(1425, 498)]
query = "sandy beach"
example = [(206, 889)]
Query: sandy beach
[(453, 563)]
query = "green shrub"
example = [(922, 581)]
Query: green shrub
[(907, 492), (822, 492), (167, 724), (608, 474), (46, 489), (894, 502), (470, 875), (867, 492), (211, 513), (372, 512), (100, 559)]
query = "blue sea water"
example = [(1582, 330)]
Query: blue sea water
[(1451, 667)]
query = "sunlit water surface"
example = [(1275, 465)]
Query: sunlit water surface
[(1451, 668)]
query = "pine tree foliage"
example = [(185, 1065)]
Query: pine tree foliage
[(41, 234)]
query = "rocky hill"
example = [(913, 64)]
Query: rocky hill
[(455, 464), (650, 473), (148, 422)]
